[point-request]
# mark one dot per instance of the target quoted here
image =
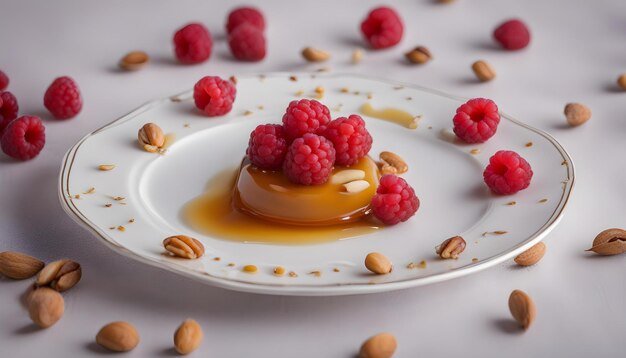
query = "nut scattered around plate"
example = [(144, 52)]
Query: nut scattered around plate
[(378, 263), (118, 337), (19, 266), (522, 308), (532, 255), (382, 345), (134, 61), (188, 336), (576, 114), (45, 306)]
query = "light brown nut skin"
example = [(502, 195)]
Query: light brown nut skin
[(451, 248), (483, 71), (382, 345), (419, 55), (19, 266), (134, 61), (45, 307), (621, 81), (184, 246), (378, 263), (188, 337), (151, 137), (315, 55), (609, 242), (532, 255), (576, 114), (522, 308), (60, 275), (118, 337)]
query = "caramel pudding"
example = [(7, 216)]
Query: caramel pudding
[(255, 205), (271, 196)]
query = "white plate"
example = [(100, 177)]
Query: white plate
[(446, 177)]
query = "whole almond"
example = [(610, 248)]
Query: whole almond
[(315, 55), (151, 137), (609, 242), (418, 55), (522, 308), (621, 81), (378, 263), (60, 275), (382, 345), (19, 266), (45, 307), (576, 114), (134, 61), (483, 71), (532, 255), (118, 337), (188, 337)]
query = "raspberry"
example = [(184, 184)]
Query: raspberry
[(214, 95), (512, 34), (395, 201), (507, 173), (350, 138), (193, 43), (476, 120), (4, 81), (267, 146), (305, 116), (24, 138), (247, 43), (8, 109), (247, 15), (63, 98), (309, 160), (382, 28)]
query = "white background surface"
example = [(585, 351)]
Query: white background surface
[(576, 54)]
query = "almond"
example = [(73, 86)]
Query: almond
[(19, 266), (45, 307), (483, 71), (609, 242), (134, 61), (118, 337), (151, 137), (378, 263), (60, 275), (356, 186), (188, 337), (532, 255), (382, 345), (576, 114), (315, 55), (522, 308)]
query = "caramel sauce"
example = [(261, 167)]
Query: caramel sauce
[(225, 211), (390, 114)]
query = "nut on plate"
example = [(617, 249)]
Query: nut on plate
[(532, 255), (134, 61), (451, 248), (45, 306), (19, 266), (378, 263), (522, 308), (483, 71), (151, 137), (118, 337), (184, 246), (418, 55), (382, 345), (61, 275), (188, 336), (315, 55), (609, 242), (576, 114)]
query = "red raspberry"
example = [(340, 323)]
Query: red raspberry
[(247, 15), (8, 109), (395, 200), (350, 138), (476, 120), (214, 95), (4, 81), (507, 173), (247, 43), (305, 116), (24, 138), (309, 160), (512, 34), (63, 98), (382, 28), (267, 146), (193, 43)]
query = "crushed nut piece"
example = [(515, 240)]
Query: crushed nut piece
[(474, 259), (422, 264), (319, 91), (511, 203), (248, 113), (233, 79), (344, 90), (77, 196), (106, 167), (543, 200), (250, 269), (316, 273), (475, 151), (336, 269), (231, 264), (279, 271), (293, 78), (357, 55), (497, 232), (292, 274), (90, 191), (121, 228), (119, 198), (217, 258), (528, 145), (299, 93), (131, 221), (108, 205)]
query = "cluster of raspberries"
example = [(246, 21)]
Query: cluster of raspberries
[(245, 26), (24, 137), (309, 144)]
